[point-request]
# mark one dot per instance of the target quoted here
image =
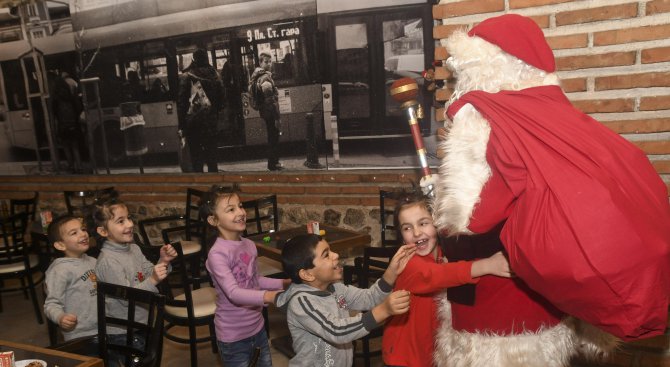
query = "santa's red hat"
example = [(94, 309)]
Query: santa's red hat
[(518, 36)]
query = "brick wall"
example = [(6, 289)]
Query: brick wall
[(613, 57), (347, 199)]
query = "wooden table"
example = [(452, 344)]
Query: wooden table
[(343, 241), (52, 357)]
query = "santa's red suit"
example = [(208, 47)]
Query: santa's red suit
[(587, 220)]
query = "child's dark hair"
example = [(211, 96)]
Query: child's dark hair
[(102, 210), (405, 199), (212, 197), (54, 227), (298, 253)]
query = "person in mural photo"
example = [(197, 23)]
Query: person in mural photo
[(200, 92), (263, 85), (67, 106)]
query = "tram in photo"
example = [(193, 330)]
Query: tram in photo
[(330, 58)]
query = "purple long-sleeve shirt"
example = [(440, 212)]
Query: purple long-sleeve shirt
[(239, 289)]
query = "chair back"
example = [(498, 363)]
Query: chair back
[(372, 265), (262, 216), (387, 202), (77, 201), (24, 205), (186, 283), (151, 329), (12, 245)]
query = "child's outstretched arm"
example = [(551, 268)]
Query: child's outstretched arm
[(497, 265), (395, 304), (398, 263)]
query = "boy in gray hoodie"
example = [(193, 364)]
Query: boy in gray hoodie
[(318, 305), (70, 281)]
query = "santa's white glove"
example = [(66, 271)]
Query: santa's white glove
[(427, 185)]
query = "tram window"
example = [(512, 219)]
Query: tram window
[(16, 91)]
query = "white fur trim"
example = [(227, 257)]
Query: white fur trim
[(550, 347), (463, 171)]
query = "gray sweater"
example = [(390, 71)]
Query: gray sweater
[(70, 288), (320, 322), (124, 265)]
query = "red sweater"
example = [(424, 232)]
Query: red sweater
[(409, 338)]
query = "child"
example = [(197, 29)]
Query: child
[(241, 292), (318, 305), (70, 281), (121, 262), (409, 339)]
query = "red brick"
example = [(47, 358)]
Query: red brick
[(301, 200), (360, 190), (658, 6), (569, 41), (595, 61), (369, 202), (342, 200), (627, 81), (639, 126), (662, 167), (443, 31), (342, 178), (517, 4), (605, 105), (655, 103), (653, 147), (467, 7), (322, 190), (441, 53), (443, 94), (542, 21), (654, 55), (275, 189), (573, 85), (628, 35), (622, 11), (442, 73)]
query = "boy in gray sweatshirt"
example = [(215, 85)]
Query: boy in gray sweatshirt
[(70, 281), (318, 305)]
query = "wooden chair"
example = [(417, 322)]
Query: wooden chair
[(77, 201), (262, 215), (188, 228), (151, 329), (192, 307), (16, 261), (369, 268), (25, 206), (387, 202)]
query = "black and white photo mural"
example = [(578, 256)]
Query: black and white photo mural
[(126, 69)]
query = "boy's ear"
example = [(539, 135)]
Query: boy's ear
[(60, 246), (306, 275), (102, 231)]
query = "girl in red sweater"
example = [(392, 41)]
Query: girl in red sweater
[(409, 338)]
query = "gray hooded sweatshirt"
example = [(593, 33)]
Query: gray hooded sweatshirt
[(70, 286), (320, 322)]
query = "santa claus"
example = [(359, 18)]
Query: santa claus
[(586, 217)]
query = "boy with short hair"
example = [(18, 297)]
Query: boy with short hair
[(318, 305), (70, 281)]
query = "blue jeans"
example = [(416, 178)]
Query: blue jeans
[(239, 353)]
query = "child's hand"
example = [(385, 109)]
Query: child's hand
[(68, 322), (269, 296), (395, 304), (497, 265), (398, 263), (168, 253), (160, 272)]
